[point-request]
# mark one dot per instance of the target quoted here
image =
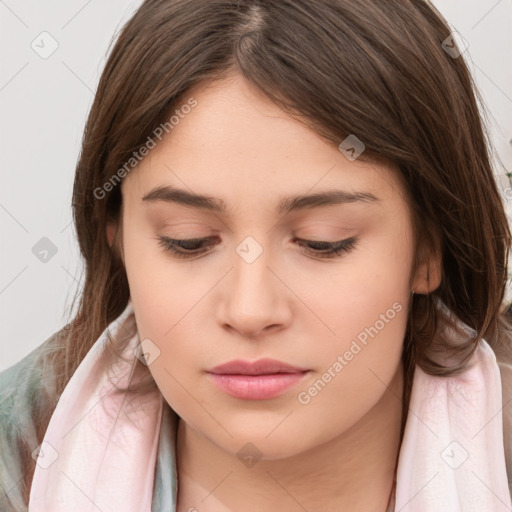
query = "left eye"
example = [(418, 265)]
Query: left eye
[(328, 249), (195, 246)]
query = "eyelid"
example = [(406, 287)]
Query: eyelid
[(332, 249)]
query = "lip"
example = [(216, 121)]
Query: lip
[(264, 366), (258, 380)]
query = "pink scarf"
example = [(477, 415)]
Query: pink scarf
[(452, 456), (99, 451)]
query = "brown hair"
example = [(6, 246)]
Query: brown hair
[(370, 68)]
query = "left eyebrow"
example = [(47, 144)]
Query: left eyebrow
[(287, 204)]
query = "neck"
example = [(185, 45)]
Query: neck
[(354, 471)]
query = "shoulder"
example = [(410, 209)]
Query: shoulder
[(27, 392)]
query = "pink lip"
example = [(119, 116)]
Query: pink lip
[(259, 380), (260, 367)]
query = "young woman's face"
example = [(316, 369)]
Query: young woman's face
[(253, 289)]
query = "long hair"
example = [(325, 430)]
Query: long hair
[(376, 69)]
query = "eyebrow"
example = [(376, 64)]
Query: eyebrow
[(287, 204)]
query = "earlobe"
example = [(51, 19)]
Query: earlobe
[(114, 239), (428, 277), (428, 274), (111, 232)]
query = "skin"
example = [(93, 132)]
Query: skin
[(289, 304)]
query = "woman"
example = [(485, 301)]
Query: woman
[(295, 260)]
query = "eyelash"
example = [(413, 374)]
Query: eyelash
[(318, 248)]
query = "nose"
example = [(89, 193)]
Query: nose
[(255, 299)]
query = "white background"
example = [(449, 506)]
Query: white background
[(43, 108)]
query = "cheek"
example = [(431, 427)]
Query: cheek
[(161, 290), (163, 294), (367, 287), (359, 361), (363, 306), (353, 381)]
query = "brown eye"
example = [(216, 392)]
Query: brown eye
[(185, 248), (328, 249)]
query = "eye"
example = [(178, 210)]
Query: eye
[(184, 248), (196, 246), (328, 249)]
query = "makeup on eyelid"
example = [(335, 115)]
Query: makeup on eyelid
[(313, 232), (321, 239), (311, 221), (188, 248)]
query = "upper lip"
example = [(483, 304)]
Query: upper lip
[(260, 367)]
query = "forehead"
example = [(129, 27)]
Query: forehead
[(236, 140)]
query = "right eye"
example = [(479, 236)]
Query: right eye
[(184, 248)]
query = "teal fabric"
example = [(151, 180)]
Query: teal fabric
[(25, 388), (166, 477)]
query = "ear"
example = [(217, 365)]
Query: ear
[(429, 270), (114, 239), (111, 232)]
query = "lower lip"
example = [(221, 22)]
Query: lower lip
[(257, 387)]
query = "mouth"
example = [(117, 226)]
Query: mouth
[(260, 380)]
